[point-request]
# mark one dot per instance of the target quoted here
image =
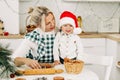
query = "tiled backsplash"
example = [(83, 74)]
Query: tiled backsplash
[(92, 13)]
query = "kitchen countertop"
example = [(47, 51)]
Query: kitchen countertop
[(12, 36), (91, 35), (114, 36), (86, 74)]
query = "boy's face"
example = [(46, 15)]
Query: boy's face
[(67, 28), (50, 23)]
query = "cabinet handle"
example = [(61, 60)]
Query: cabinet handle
[(89, 47), (88, 64)]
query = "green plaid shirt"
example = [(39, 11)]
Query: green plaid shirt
[(45, 46)]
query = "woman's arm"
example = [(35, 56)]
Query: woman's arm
[(29, 62), (19, 56), (23, 49)]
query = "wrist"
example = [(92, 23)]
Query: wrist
[(19, 61)]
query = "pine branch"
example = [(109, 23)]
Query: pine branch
[(6, 62)]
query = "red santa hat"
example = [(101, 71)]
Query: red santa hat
[(69, 18)]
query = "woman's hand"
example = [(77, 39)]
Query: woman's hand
[(26, 61), (32, 63), (56, 62)]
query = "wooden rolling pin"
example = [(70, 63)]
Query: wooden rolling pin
[(41, 71)]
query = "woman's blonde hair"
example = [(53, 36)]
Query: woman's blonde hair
[(37, 16)]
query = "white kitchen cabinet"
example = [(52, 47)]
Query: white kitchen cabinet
[(95, 46), (13, 43), (113, 49)]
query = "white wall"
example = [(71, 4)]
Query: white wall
[(9, 15)]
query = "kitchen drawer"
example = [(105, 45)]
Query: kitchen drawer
[(94, 46), (93, 42), (95, 51)]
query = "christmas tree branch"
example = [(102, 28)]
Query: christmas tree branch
[(6, 62)]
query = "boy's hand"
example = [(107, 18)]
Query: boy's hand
[(56, 62)]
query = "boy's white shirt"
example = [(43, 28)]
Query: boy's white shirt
[(69, 50)]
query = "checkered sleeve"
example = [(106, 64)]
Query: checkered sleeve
[(45, 46)]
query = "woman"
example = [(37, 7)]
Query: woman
[(38, 44)]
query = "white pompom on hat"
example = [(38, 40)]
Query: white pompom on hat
[(69, 18)]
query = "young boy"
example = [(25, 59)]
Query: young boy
[(67, 43)]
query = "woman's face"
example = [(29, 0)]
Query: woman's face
[(67, 28), (50, 23)]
